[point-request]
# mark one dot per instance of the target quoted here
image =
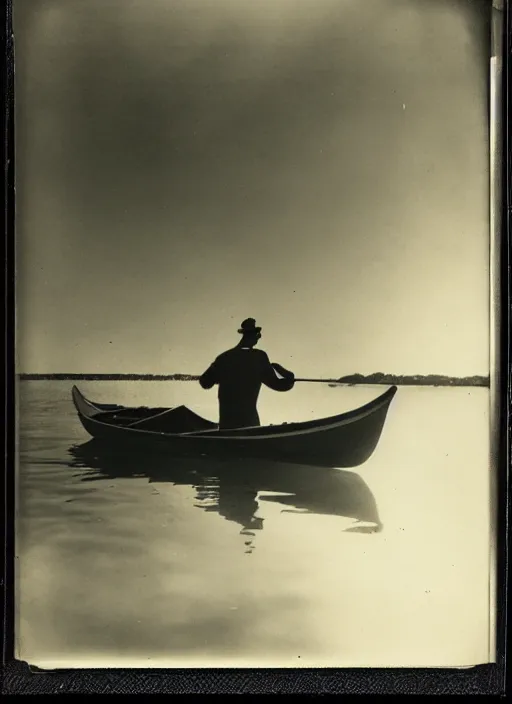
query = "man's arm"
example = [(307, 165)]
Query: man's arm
[(210, 376), (270, 378)]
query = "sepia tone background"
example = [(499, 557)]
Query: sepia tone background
[(322, 166), (319, 166)]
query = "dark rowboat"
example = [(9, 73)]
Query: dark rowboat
[(345, 440)]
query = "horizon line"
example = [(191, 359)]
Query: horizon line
[(451, 376), (354, 378)]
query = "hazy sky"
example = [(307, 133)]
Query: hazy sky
[(320, 165)]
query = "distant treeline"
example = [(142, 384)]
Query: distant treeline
[(351, 379), (415, 380)]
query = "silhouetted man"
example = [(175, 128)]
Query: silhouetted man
[(240, 372)]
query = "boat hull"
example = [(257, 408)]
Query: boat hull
[(347, 440)]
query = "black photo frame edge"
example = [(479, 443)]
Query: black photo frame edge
[(19, 678)]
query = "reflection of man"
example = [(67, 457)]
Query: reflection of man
[(240, 372)]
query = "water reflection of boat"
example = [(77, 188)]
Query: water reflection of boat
[(345, 440), (233, 488)]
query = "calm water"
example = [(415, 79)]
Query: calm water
[(125, 562)]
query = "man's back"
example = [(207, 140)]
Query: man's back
[(240, 372)]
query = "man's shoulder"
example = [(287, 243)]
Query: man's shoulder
[(237, 351), (228, 353), (262, 355)]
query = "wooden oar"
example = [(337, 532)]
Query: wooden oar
[(313, 381), (322, 381)]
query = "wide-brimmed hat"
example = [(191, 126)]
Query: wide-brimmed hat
[(248, 326)]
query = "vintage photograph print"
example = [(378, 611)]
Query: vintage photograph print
[(255, 308)]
